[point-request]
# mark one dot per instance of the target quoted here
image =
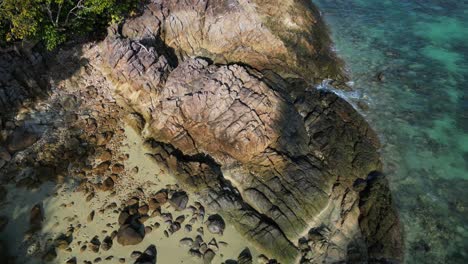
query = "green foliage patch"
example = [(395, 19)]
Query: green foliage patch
[(56, 21)]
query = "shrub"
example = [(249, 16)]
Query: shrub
[(56, 21)]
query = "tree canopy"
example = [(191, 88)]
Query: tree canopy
[(56, 21)]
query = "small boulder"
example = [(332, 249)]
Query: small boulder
[(208, 256), (215, 224), (129, 235), (179, 200), (21, 139), (107, 184), (123, 217), (91, 216), (161, 197), (106, 243), (186, 242), (148, 257), (245, 257)]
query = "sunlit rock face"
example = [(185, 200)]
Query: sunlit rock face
[(288, 37), (293, 168)]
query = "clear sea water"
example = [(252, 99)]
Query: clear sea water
[(419, 48)]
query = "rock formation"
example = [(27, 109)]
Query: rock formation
[(223, 89)]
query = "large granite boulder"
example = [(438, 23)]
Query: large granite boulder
[(292, 167)]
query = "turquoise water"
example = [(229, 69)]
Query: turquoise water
[(419, 108)]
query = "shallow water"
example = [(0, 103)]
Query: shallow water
[(420, 109)]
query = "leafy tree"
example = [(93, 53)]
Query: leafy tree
[(56, 21)]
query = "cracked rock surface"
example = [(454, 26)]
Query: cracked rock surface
[(294, 168)]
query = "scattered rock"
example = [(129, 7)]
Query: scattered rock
[(133, 201), (118, 168), (213, 245), (135, 254), (83, 248), (179, 200), (208, 256), (161, 197), (123, 217), (245, 257), (71, 261), (148, 229), (175, 226), (186, 242), (62, 241), (105, 155), (129, 235), (216, 224), (106, 243), (180, 219), (195, 253), (95, 244), (91, 216), (107, 184), (144, 209), (90, 196), (148, 257)]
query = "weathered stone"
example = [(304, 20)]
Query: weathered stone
[(106, 243), (91, 216), (148, 257), (216, 224), (107, 184), (208, 256), (129, 235), (245, 257), (186, 242), (21, 139), (123, 217), (94, 244), (179, 200), (144, 209), (161, 197)]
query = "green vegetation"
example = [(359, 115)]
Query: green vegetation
[(56, 21)]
